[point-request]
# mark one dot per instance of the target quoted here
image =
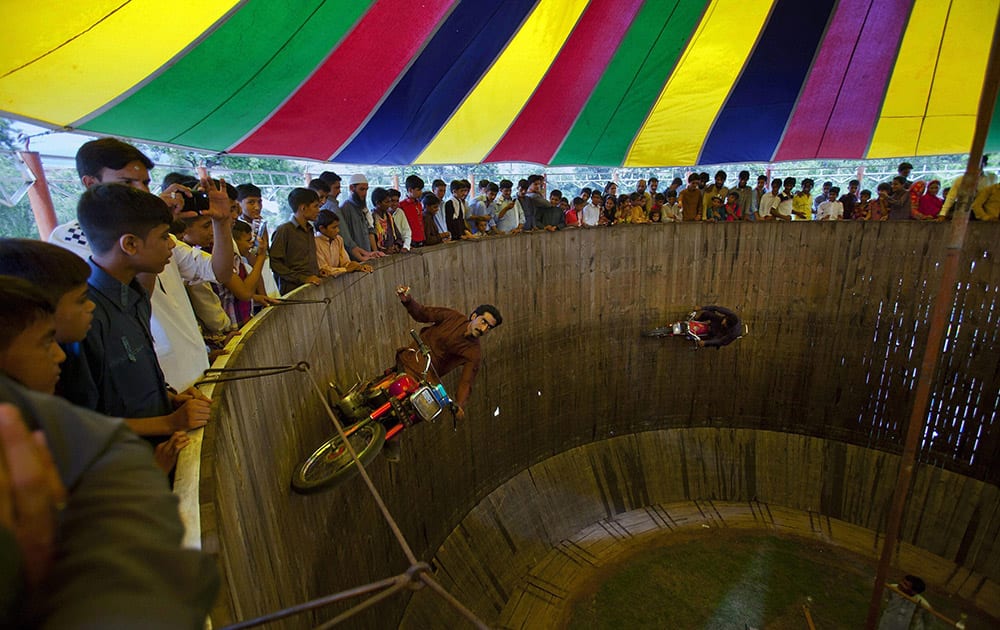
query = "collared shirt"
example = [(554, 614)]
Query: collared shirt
[(510, 220), (293, 254), (448, 344), (414, 212), (354, 225), (331, 255), (178, 341), (591, 215), (114, 369)]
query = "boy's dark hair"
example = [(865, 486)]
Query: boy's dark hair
[(789, 182), (653, 179), (659, 198), (319, 185), (179, 178), (241, 227), (704, 176), (694, 177), (577, 201), (833, 192), (329, 177), (245, 191), (483, 183), (492, 187), (854, 182), (635, 196), (393, 193), (505, 183), (109, 211), (762, 178), (413, 181), (430, 199), (904, 165), (231, 191), (459, 184), (482, 309), (437, 182), (827, 183), (900, 179), (808, 181), (107, 153), (596, 193), (522, 184), (720, 172), (325, 218), (52, 270), (775, 182), (23, 305), (556, 193), (744, 175), (586, 189), (865, 192), (671, 194), (379, 195), (884, 186), (677, 181), (301, 197)]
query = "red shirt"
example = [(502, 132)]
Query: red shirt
[(414, 212)]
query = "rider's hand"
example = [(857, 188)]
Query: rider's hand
[(403, 292), (459, 413)]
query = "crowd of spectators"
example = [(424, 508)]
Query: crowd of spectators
[(123, 310)]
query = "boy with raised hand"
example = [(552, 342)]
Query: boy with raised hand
[(114, 370), (178, 343), (293, 248)]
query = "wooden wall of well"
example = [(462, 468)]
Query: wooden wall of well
[(837, 314)]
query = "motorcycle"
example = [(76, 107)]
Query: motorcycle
[(372, 412), (695, 330)]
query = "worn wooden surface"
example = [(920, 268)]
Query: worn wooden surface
[(837, 319)]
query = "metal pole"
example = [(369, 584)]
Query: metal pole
[(938, 322), (39, 196)]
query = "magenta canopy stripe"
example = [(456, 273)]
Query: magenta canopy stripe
[(561, 82), (836, 114)]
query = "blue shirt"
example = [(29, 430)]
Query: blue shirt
[(114, 370)]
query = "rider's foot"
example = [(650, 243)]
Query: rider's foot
[(392, 450)]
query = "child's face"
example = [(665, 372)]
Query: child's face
[(393, 202), (807, 187), (250, 208), (415, 193), (865, 196), (322, 197), (654, 217), (439, 191), (461, 194), (33, 357), (716, 202), (432, 210), (883, 193), (481, 226), (731, 199), (491, 196), (244, 241), (199, 233), (74, 312), (151, 254), (384, 205), (310, 210), (330, 231), (554, 200)]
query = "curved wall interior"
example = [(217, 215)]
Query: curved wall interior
[(803, 413)]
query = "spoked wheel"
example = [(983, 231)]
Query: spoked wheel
[(331, 463), (666, 331)]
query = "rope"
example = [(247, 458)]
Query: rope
[(254, 372)]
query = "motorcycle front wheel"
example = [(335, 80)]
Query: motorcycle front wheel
[(666, 331), (332, 463)]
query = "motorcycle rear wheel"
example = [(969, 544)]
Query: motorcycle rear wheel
[(332, 463)]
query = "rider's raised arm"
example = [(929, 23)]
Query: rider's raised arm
[(469, 372), (424, 314)]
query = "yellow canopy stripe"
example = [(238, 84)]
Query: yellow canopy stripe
[(680, 120), (491, 107), (62, 62), (954, 39)]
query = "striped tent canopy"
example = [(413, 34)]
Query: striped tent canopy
[(555, 82)]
